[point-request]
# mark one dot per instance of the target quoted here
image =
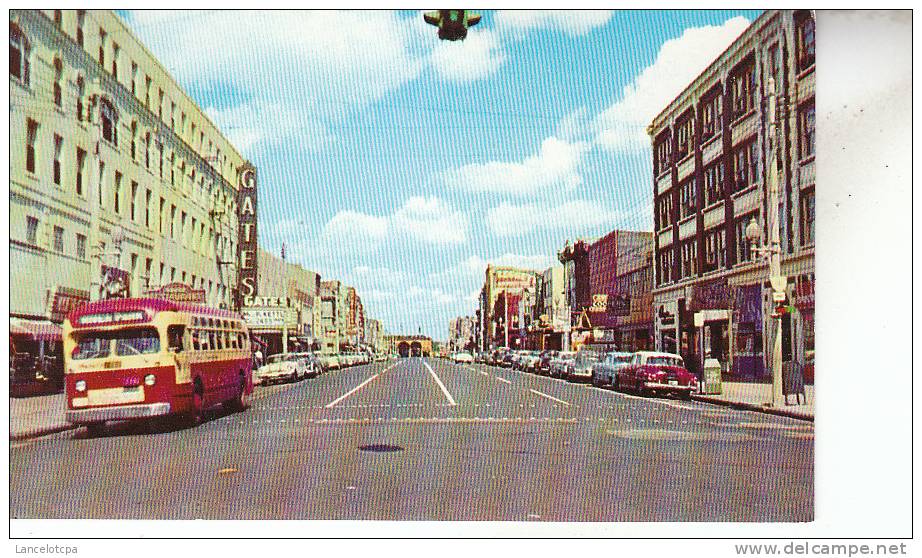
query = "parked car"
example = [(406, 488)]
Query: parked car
[(581, 371), (651, 372), (508, 359), (329, 362), (462, 357), (283, 367), (604, 372), (530, 362), (311, 364), (560, 366), (544, 362)]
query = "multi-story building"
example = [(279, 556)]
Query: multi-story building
[(551, 319), (632, 305), (118, 180), (461, 333), (333, 316), (507, 293), (286, 314), (575, 260), (710, 154)]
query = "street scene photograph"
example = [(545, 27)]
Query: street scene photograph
[(414, 266)]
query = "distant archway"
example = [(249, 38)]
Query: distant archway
[(416, 349), (403, 349)]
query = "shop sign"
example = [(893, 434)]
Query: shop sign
[(178, 292), (804, 295), (712, 294), (266, 318), (599, 303), (116, 282), (246, 234), (269, 301), (64, 301)]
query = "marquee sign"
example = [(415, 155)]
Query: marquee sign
[(247, 278)]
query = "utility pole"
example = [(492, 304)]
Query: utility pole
[(773, 251)]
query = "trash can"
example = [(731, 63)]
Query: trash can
[(712, 382), (792, 381)]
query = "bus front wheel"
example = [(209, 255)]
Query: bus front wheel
[(95, 429)]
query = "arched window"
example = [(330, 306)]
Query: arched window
[(20, 51), (108, 117), (58, 77), (134, 140)]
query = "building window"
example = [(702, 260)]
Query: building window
[(148, 84), (686, 129), (745, 166), (31, 137), (134, 79), (713, 183), (689, 258), (172, 221), (664, 211), (116, 202), (81, 246), (806, 118), (134, 197), (710, 117), (56, 86), (688, 197), (182, 229), (109, 118), (715, 252), (664, 265), (81, 20), (148, 263), (743, 86), (147, 207), (774, 66), (147, 151), (134, 141), (806, 39), (115, 53), (101, 182), (663, 155), (162, 215), (20, 52), (59, 239), (31, 230), (102, 47), (808, 218), (743, 249), (172, 170), (81, 161), (56, 162)]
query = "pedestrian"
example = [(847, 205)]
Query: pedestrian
[(258, 358)]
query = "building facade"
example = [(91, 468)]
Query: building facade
[(508, 292), (461, 332), (710, 154), (118, 180)]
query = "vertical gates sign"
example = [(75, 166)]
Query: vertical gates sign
[(246, 235)]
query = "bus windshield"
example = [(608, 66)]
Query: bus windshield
[(126, 342)]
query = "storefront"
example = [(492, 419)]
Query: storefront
[(274, 321), (748, 359), (804, 303)]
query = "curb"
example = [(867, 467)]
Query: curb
[(28, 435), (752, 407)]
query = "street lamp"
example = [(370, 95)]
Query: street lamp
[(772, 252)]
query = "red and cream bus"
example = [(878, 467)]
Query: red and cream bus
[(137, 358)]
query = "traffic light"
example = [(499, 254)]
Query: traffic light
[(452, 24)]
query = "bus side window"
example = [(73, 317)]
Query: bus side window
[(174, 335)]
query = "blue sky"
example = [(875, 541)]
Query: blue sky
[(402, 164)]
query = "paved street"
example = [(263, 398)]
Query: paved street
[(426, 439)]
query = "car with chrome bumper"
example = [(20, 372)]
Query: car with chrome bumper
[(654, 373)]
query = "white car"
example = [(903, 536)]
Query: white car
[(285, 367), (463, 358)]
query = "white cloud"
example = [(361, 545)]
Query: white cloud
[(431, 220), (574, 23), (557, 164), (477, 57), (477, 266), (622, 126), (302, 73), (575, 215), (426, 220)]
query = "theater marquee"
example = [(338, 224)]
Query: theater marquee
[(247, 278)]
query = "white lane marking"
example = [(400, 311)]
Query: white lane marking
[(356, 388), (503, 380), (542, 394), (448, 396)]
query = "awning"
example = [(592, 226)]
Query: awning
[(37, 330)]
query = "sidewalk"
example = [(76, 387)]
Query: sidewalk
[(752, 397), (37, 416)]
